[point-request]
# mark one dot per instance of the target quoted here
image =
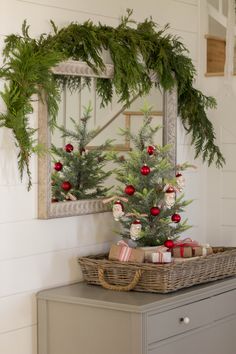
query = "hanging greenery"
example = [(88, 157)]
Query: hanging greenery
[(137, 50)]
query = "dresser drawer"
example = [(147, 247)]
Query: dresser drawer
[(179, 320), (216, 339), (224, 304)]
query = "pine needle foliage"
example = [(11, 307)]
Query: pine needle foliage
[(84, 170), (138, 51), (149, 189), (27, 74)]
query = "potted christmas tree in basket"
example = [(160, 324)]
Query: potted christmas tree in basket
[(147, 203)]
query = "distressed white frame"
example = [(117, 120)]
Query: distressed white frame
[(47, 209)]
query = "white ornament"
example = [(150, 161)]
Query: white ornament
[(84, 152), (170, 197), (169, 200), (117, 210), (180, 181), (135, 230)]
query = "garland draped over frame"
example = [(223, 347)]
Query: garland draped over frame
[(136, 50)]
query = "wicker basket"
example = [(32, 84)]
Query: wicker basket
[(158, 278)]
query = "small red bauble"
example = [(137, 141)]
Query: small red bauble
[(169, 244), (66, 186), (58, 166), (145, 170), (129, 189), (176, 218), (178, 175), (155, 211), (150, 150), (69, 148)]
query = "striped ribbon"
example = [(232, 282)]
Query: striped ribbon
[(160, 251), (125, 251)]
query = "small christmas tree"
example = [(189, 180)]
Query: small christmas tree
[(79, 173), (148, 199)]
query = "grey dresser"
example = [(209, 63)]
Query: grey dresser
[(86, 319)]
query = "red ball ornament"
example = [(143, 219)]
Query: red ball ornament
[(58, 166), (155, 211), (178, 175), (169, 244), (130, 190), (150, 150), (69, 148), (66, 186), (145, 170), (176, 218)]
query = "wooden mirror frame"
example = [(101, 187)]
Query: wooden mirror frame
[(47, 209)]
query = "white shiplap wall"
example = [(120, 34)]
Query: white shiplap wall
[(220, 183), (36, 254)]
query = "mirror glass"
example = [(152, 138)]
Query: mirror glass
[(108, 121)]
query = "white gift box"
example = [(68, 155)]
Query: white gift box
[(157, 254), (161, 257)]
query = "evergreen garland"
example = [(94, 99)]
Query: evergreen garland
[(136, 53)]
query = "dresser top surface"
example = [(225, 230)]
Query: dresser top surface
[(93, 295)]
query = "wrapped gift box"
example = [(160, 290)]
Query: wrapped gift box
[(156, 254), (122, 252), (161, 257), (182, 252), (188, 251), (202, 250)]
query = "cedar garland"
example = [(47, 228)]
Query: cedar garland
[(135, 51)]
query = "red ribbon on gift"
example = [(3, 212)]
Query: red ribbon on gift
[(187, 242), (125, 251)]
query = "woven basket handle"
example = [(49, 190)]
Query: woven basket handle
[(128, 287)]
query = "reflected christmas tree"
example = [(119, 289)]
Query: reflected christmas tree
[(78, 172)]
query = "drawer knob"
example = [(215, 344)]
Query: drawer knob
[(185, 320)]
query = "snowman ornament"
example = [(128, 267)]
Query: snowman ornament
[(118, 210)]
